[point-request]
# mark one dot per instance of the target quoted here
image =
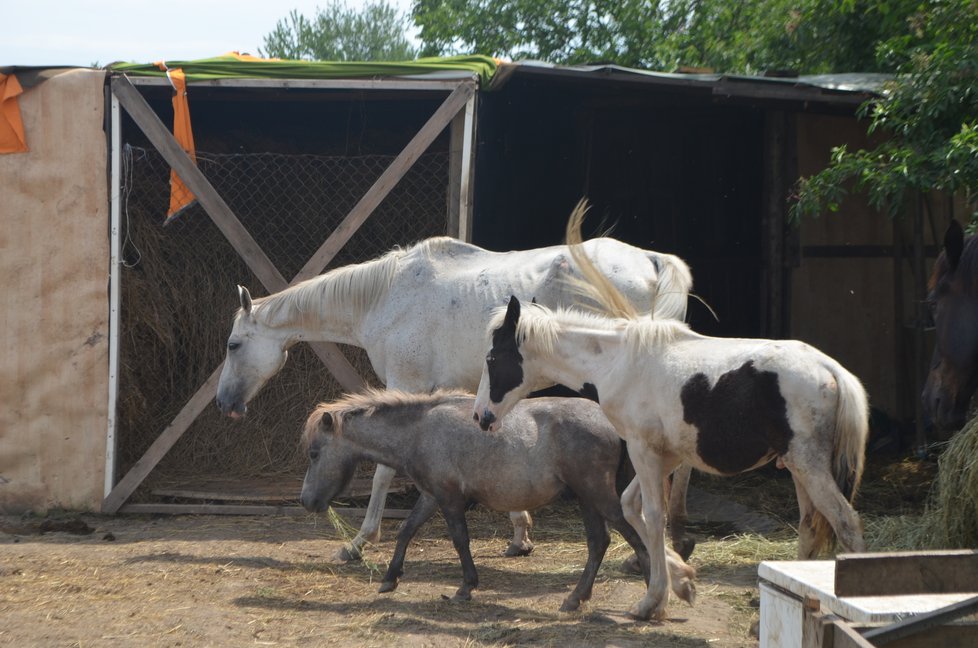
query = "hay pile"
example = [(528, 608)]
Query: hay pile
[(950, 520)]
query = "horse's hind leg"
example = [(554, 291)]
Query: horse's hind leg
[(828, 500), (521, 545), (454, 513), (421, 513), (806, 525), (678, 516), (597, 544), (370, 528)]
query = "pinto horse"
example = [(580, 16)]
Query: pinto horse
[(420, 314), (723, 406), (550, 445), (953, 299)]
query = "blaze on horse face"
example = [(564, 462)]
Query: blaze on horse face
[(953, 299), (251, 360), (504, 382)]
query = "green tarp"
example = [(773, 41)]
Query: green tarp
[(232, 67)]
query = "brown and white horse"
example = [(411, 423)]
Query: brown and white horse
[(723, 406)]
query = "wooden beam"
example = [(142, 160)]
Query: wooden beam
[(433, 85), (906, 572), (163, 443), (387, 180), (840, 634), (246, 509), (929, 623)]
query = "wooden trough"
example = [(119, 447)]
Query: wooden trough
[(904, 599)]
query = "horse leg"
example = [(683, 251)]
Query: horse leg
[(806, 525), (370, 528), (459, 530), (521, 545), (597, 544), (421, 513), (682, 543), (650, 472), (830, 503)]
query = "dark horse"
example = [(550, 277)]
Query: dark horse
[(953, 299), (552, 445)]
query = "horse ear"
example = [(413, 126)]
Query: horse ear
[(245, 298), (953, 244), (326, 423), (512, 312)]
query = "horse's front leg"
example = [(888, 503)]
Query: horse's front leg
[(421, 513), (650, 473), (521, 545), (459, 530), (370, 529)]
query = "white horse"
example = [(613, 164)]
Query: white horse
[(420, 314), (720, 405)]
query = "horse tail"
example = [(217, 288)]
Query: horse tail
[(675, 282), (849, 446), (595, 284)]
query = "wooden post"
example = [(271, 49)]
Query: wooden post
[(773, 223), (920, 316)]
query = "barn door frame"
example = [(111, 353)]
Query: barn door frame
[(457, 112)]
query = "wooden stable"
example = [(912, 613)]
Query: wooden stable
[(904, 600), (696, 165)]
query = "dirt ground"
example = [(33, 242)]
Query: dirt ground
[(269, 581)]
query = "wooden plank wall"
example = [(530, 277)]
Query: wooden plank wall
[(54, 261), (845, 306)]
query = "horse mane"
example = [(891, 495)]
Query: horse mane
[(369, 402), (356, 287), (540, 327), (967, 269)]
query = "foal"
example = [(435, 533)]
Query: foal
[(550, 445)]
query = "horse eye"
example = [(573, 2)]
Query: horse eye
[(313, 455), (233, 345), (490, 359)]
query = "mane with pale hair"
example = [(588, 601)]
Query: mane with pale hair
[(540, 327), (356, 288), (369, 402)]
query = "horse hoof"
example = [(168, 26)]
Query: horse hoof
[(461, 596), (685, 547), (347, 554), (687, 592), (642, 612), (387, 586), (570, 605), (632, 565), (522, 549)]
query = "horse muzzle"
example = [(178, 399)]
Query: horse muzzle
[(235, 409), (487, 421)]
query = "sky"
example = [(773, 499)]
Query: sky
[(87, 32)]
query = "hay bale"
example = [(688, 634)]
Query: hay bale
[(955, 507)]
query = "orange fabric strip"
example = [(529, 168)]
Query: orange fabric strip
[(12, 138), (180, 196)]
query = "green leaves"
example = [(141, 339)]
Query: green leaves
[(337, 33), (929, 117)]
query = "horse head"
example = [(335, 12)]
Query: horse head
[(255, 353), (953, 299), (330, 468), (504, 377)]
